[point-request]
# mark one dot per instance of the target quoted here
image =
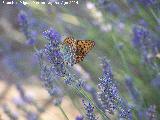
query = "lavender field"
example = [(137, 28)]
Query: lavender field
[(80, 60)]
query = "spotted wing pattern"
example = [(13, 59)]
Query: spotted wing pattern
[(79, 48), (82, 48), (70, 42)]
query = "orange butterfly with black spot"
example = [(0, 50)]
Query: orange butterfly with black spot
[(79, 47)]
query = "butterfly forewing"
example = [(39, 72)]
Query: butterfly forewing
[(70, 42), (82, 48)]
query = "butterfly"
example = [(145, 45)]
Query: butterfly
[(79, 48)]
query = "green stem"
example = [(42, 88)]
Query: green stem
[(35, 48), (61, 109), (101, 112), (122, 56), (154, 15), (90, 100)]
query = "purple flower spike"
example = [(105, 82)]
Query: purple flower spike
[(90, 115), (52, 35), (109, 95)]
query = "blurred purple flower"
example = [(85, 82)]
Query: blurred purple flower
[(103, 3), (23, 22), (140, 34), (9, 113), (22, 18), (23, 95), (147, 2), (156, 81), (90, 115), (151, 113), (11, 62), (18, 101), (30, 42), (89, 88), (26, 28), (142, 40), (79, 117), (113, 8), (31, 116), (109, 95), (56, 91), (131, 88), (48, 81), (57, 101), (143, 23)]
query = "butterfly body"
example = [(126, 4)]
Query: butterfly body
[(79, 47)]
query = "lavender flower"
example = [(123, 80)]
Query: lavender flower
[(31, 116), (103, 3), (146, 44), (108, 91), (156, 81), (31, 41), (48, 81), (140, 34), (53, 53), (23, 21), (89, 88), (26, 28), (92, 91), (124, 110), (23, 95), (142, 41), (52, 35), (18, 101), (142, 22), (108, 94), (57, 101), (147, 2), (13, 66), (131, 88), (151, 113), (69, 79), (90, 115), (49, 76), (79, 118), (109, 6)]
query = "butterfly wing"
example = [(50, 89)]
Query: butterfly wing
[(82, 48), (68, 40), (78, 48), (70, 45)]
